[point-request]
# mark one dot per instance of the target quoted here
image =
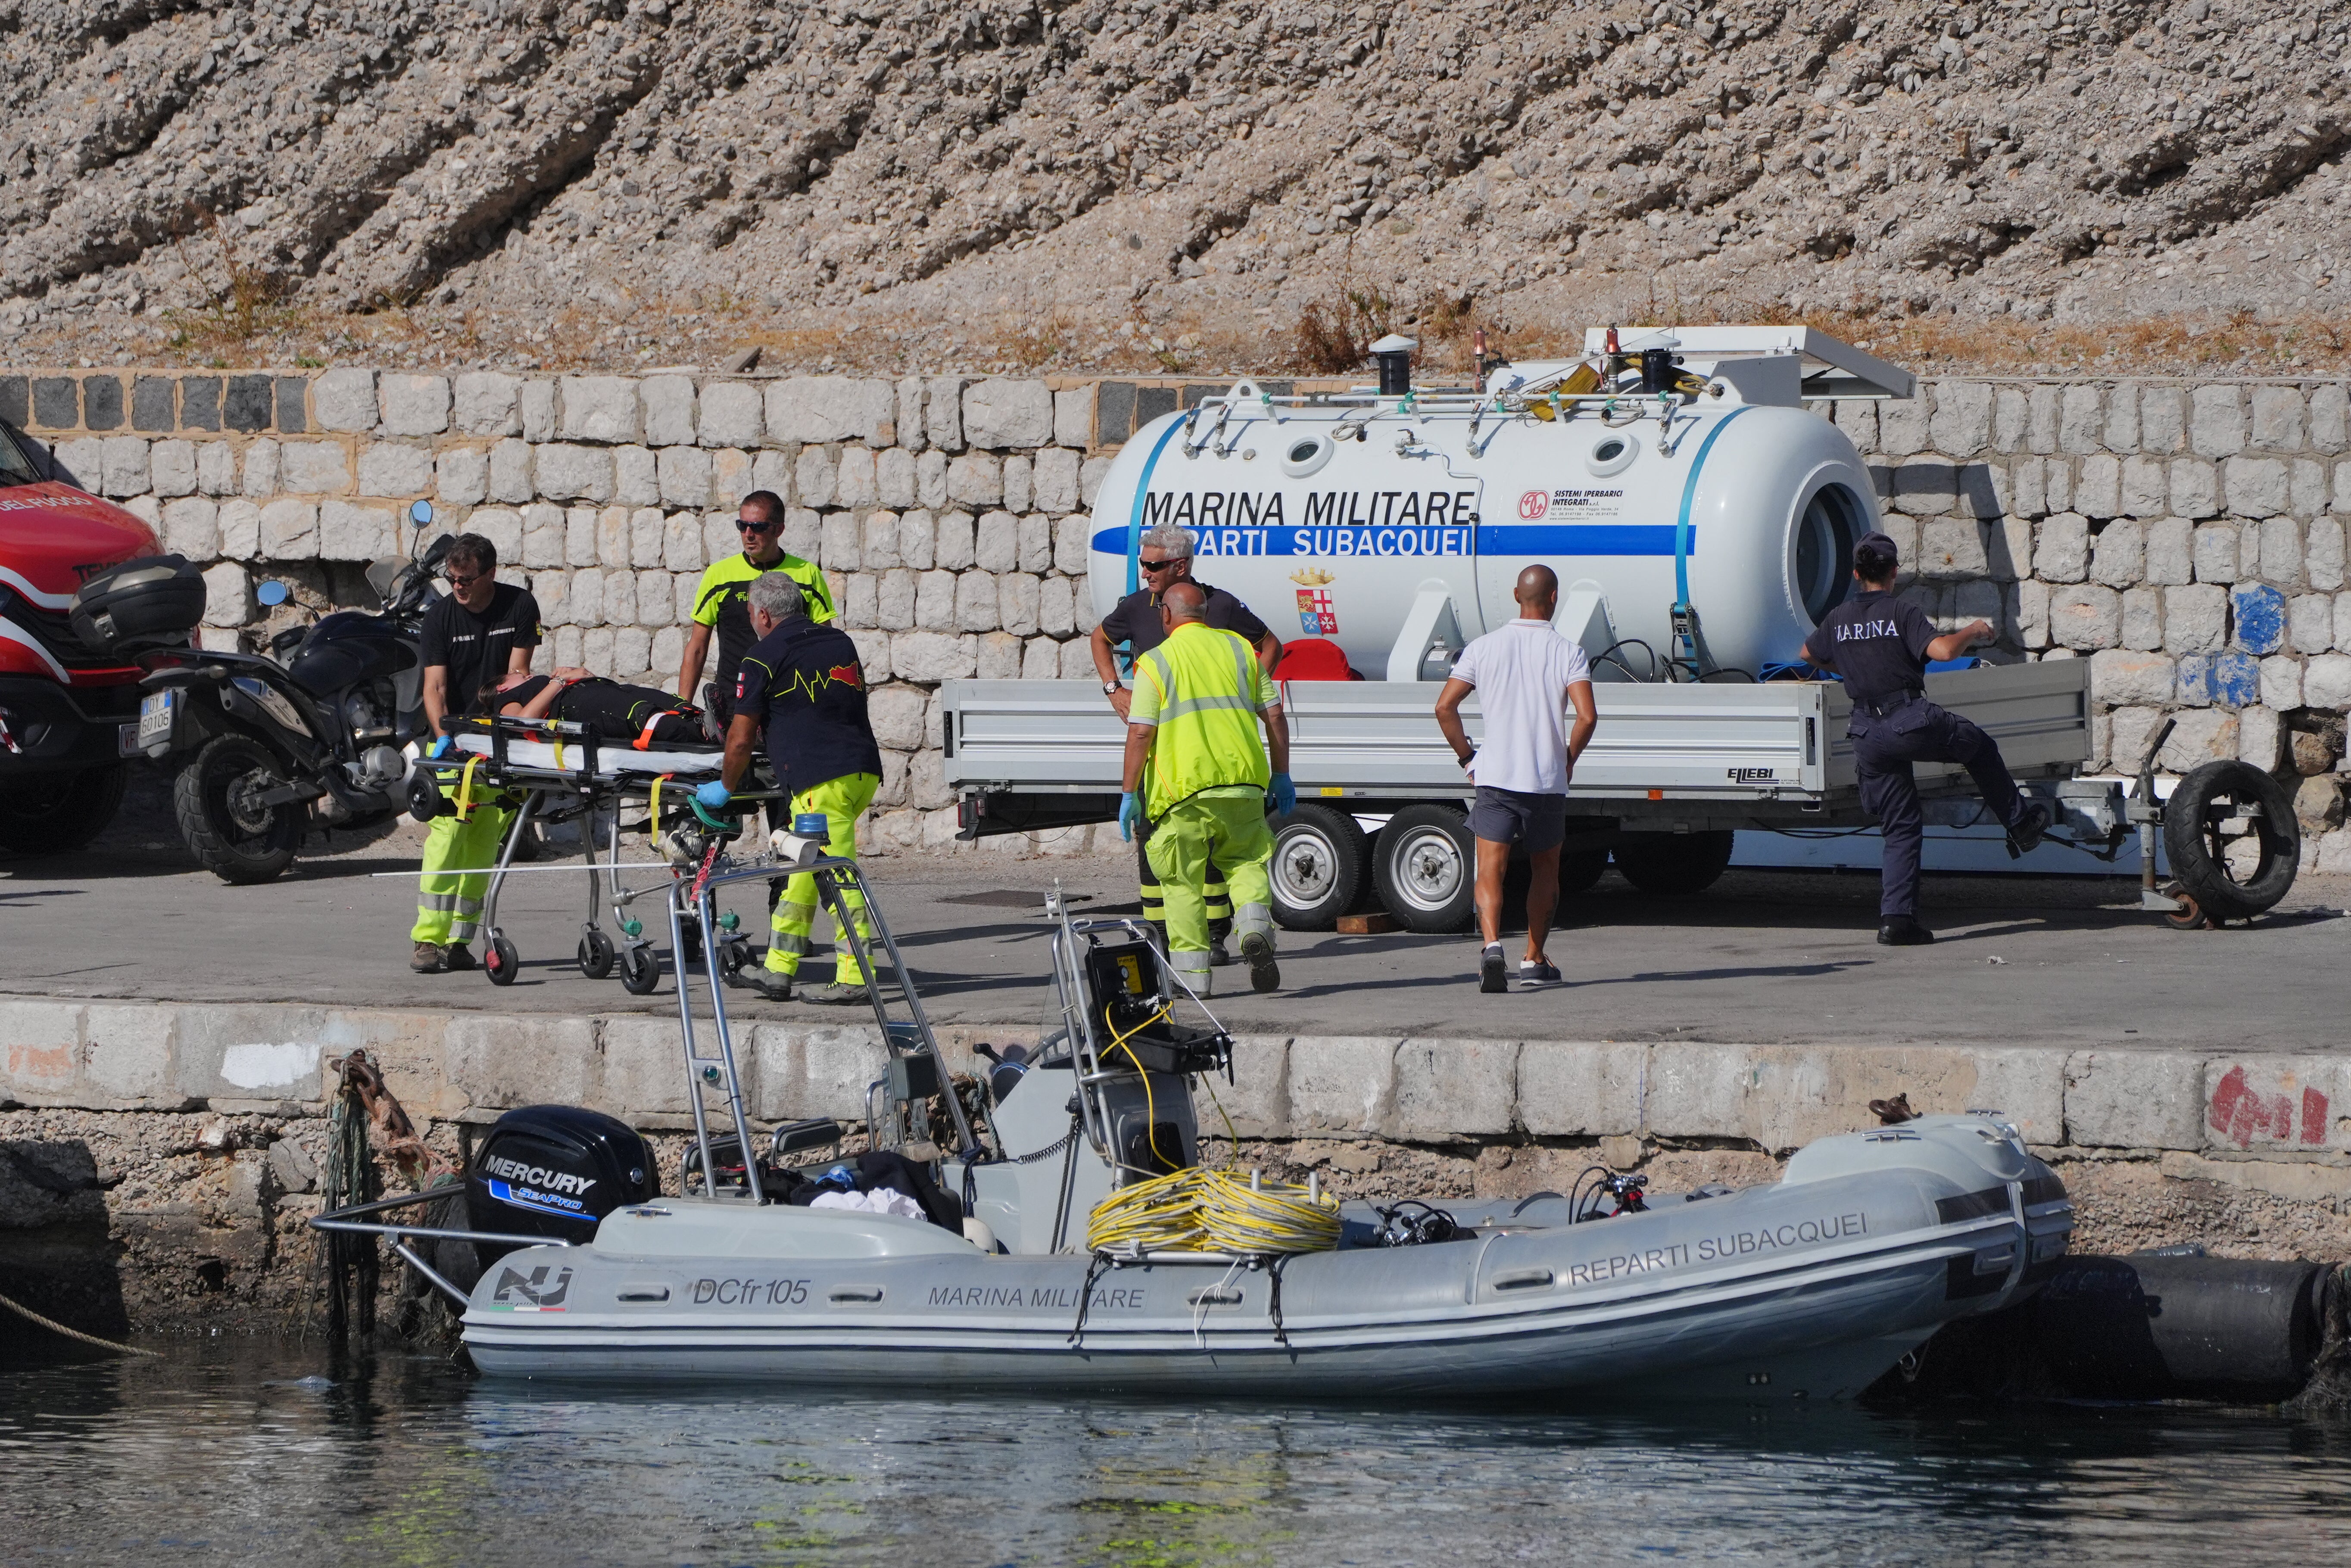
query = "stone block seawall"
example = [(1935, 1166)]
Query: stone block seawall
[(2186, 538), (156, 1159)]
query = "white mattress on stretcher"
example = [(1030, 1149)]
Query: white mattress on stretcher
[(615, 759)]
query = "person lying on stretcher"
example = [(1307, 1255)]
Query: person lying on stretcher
[(639, 715)]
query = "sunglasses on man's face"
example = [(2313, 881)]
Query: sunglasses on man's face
[(1161, 565), (455, 581), (757, 525)]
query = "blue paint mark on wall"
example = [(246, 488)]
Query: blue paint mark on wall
[(2219, 679), (2261, 618)]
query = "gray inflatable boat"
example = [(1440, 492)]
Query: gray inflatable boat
[(1812, 1286)]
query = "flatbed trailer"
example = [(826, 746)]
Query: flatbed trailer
[(1674, 771)]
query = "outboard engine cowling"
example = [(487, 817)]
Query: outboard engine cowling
[(555, 1171)]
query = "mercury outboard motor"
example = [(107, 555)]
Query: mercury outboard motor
[(555, 1171)]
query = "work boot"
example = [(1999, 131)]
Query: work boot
[(837, 995), (1265, 975), (1220, 956), (1903, 931), (461, 957), (773, 984), (1493, 979), (2025, 837), (428, 958)]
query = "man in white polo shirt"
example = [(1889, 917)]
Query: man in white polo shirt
[(1526, 676)]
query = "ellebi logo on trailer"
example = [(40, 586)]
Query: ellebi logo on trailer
[(1533, 504)]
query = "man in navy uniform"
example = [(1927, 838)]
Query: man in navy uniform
[(1881, 646)]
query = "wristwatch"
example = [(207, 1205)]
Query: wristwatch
[(1111, 688)]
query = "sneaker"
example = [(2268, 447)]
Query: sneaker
[(1534, 974), (837, 995), (461, 957), (1903, 931), (1492, 977), (1220, 956), (773, 984), (1265, 975), (428, 958), (2026, 836)]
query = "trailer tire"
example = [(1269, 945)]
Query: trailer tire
[(1425, 867), (1674, 863), (2191, 837), (1320, 861), (57, 814), (1580, 868)]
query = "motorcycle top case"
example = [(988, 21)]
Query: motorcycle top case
[(153, 602), (555, 1171)]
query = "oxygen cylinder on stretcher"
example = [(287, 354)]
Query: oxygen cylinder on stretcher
[(1688, 501)]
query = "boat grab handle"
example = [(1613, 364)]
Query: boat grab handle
[(1521, 1279)]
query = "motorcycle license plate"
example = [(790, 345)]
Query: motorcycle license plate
[(155, 719)]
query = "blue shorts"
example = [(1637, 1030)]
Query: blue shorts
[(1535, 821)]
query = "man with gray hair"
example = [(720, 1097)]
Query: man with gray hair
[(1164, 560), (802, 682)]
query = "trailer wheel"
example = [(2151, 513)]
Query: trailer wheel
[(1320, 860), (1579, 869), (1425, 867), (1674, 863), (2232, 863)]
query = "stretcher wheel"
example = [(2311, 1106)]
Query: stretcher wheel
[(731, 956), (501, 963), (595, 954), (639, 970)]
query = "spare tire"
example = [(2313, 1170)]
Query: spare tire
[(2194, 819)]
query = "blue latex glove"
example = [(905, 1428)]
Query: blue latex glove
[(714, 794), (1284, 795), (441, 747), (1130, 811)]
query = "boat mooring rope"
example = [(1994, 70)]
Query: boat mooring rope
[(21, 1310)]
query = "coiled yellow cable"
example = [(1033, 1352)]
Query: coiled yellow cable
[(1209, 1211)]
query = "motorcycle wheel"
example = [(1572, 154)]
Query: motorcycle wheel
[(57, 814), (234, 836)]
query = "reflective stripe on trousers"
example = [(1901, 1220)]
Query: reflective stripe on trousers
[(842, 800), (449, 906)]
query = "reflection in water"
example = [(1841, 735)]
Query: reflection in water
[(238, 1454)]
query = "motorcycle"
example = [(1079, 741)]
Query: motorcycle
[(320, 729)]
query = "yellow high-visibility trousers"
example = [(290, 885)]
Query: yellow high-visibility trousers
[(842, 800), (1208, 832), (448, 905)]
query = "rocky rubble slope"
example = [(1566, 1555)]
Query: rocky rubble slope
[(1082, 183)]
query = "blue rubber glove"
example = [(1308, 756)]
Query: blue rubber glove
[(441, 747), (1130, 811), (714, 794), (1284, 795)]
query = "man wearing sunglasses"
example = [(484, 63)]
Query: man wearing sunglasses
[(722, 602), (472, 639), (1164, 560)]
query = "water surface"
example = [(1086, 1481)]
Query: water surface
[(237, 1453)]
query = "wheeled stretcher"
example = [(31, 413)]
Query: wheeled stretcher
[(552, 771)]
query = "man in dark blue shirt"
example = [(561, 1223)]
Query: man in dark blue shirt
[(803, 683), (1881, 646)]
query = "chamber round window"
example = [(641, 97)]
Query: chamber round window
[(1611, 453), (1304, 454), (1833, 523)]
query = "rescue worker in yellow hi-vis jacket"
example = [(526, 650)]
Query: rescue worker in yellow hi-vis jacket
[(1195, 765)]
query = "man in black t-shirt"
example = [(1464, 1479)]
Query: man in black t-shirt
[(472, 639), (1165, 559), (1881, 646), (803, 683)]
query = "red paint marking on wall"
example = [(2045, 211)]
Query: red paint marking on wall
[(2240, 1113), (2314, 1116)]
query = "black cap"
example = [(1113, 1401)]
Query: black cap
[(1876, 550)]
